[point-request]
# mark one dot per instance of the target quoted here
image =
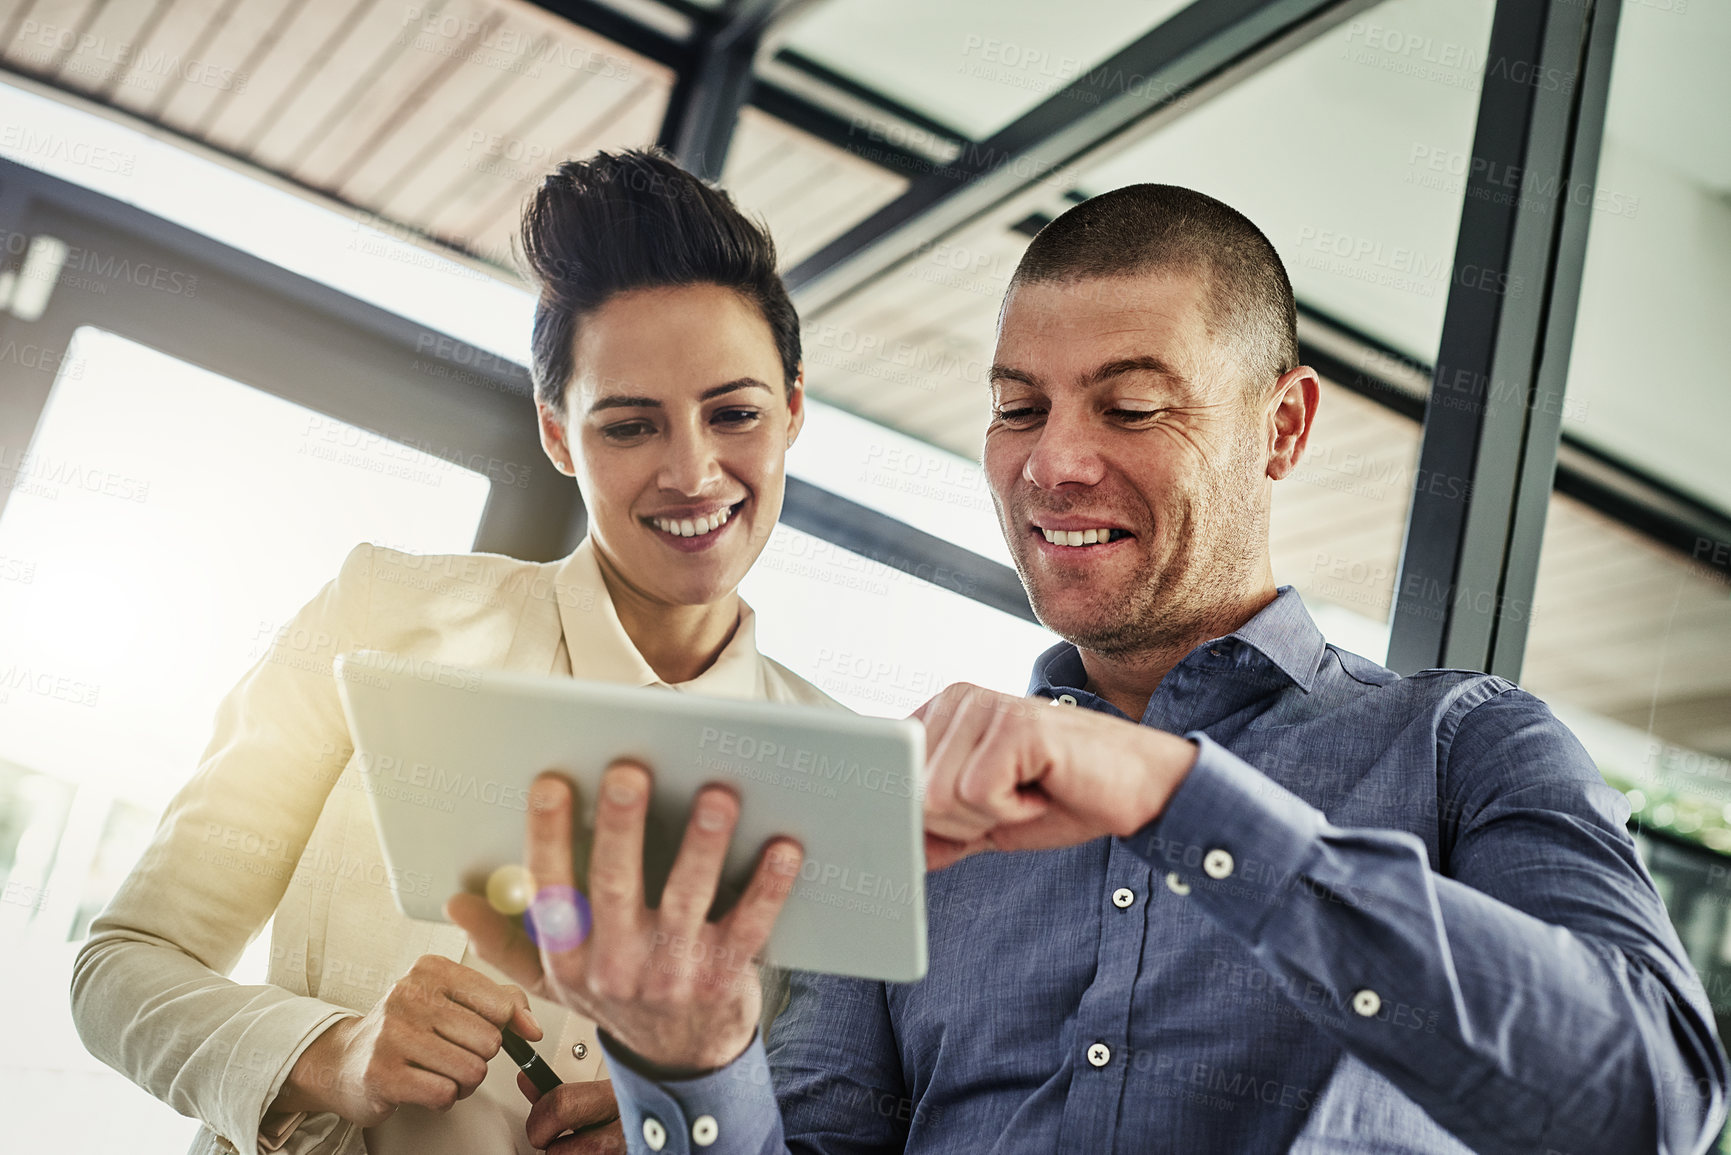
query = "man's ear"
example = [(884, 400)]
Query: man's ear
[(796, 407), (1291, 413), (553, 439)]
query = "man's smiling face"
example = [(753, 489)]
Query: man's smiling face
[(1126, 457)]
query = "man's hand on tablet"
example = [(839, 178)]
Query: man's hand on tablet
[(1009, 773), (678, 990)]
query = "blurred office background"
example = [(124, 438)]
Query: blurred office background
[(258, 303)]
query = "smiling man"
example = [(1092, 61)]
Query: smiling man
[(1215, 885)]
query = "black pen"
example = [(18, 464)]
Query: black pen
[(533, 1064)]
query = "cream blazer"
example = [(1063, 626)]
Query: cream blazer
[(275, 822)]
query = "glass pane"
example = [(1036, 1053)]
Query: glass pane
[(162, 524), (932, 489), (1647, 375), (174, 518), (1350, 154), (1627, 643), (1630, 638), (970, 65), (875, 639)]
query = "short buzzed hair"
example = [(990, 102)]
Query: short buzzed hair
[(1143, 228)]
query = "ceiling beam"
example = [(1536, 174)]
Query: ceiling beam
[(704, 106)]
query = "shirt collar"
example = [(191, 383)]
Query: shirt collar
[(601, 650), (1282, 633)]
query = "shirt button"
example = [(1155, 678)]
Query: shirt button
[(705, 1130), (654, 1133), (1099, 1054), (1217, 864), (1067, 699), (1367, 1002), (578, 1050), (1177, 885), (1123, 897)]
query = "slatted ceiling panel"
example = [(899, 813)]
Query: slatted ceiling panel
[(310, 31), (1623, 626), (807, 191), (1684, 637), (494, 199), (477, 96), (344, 87), (760, 145), (388, 85), (33, 29), (1608, 591), (168, 46), (511, 120), (238, 40), (636, 119), (566, 122), (814, 221), (103, 32), (197, 43), (42, 27), (633, 121)]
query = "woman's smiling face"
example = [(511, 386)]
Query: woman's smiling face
[(676, 427)]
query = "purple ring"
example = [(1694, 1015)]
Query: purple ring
[(558, 920)]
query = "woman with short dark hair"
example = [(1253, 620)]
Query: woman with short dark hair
[(666, 363)]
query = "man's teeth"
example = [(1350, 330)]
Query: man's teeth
[(1077, 536), (693, 527)]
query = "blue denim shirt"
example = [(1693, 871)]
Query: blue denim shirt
[(1381, 914)]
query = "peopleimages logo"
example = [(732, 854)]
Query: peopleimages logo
[(763, 753)]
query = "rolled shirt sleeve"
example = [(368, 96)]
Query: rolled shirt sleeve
[(1534, 995)]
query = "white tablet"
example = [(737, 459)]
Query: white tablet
[(447, 754)]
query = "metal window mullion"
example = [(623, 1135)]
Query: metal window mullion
[(1539, 465), (1492, 423), (703, 109)]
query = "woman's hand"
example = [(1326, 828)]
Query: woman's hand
[(426, 1042), (678, 990)]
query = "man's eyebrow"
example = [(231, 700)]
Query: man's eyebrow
[(1137, 365), (622, 401), (1111, 369), (999, 373)]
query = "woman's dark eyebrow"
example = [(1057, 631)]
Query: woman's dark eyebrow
[(620, 401)]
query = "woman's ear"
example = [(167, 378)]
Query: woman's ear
[(796, 408), (553, 439)]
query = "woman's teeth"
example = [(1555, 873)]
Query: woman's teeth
[(693, 527), (1081, 536)]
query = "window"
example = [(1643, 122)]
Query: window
[(162, 524)]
